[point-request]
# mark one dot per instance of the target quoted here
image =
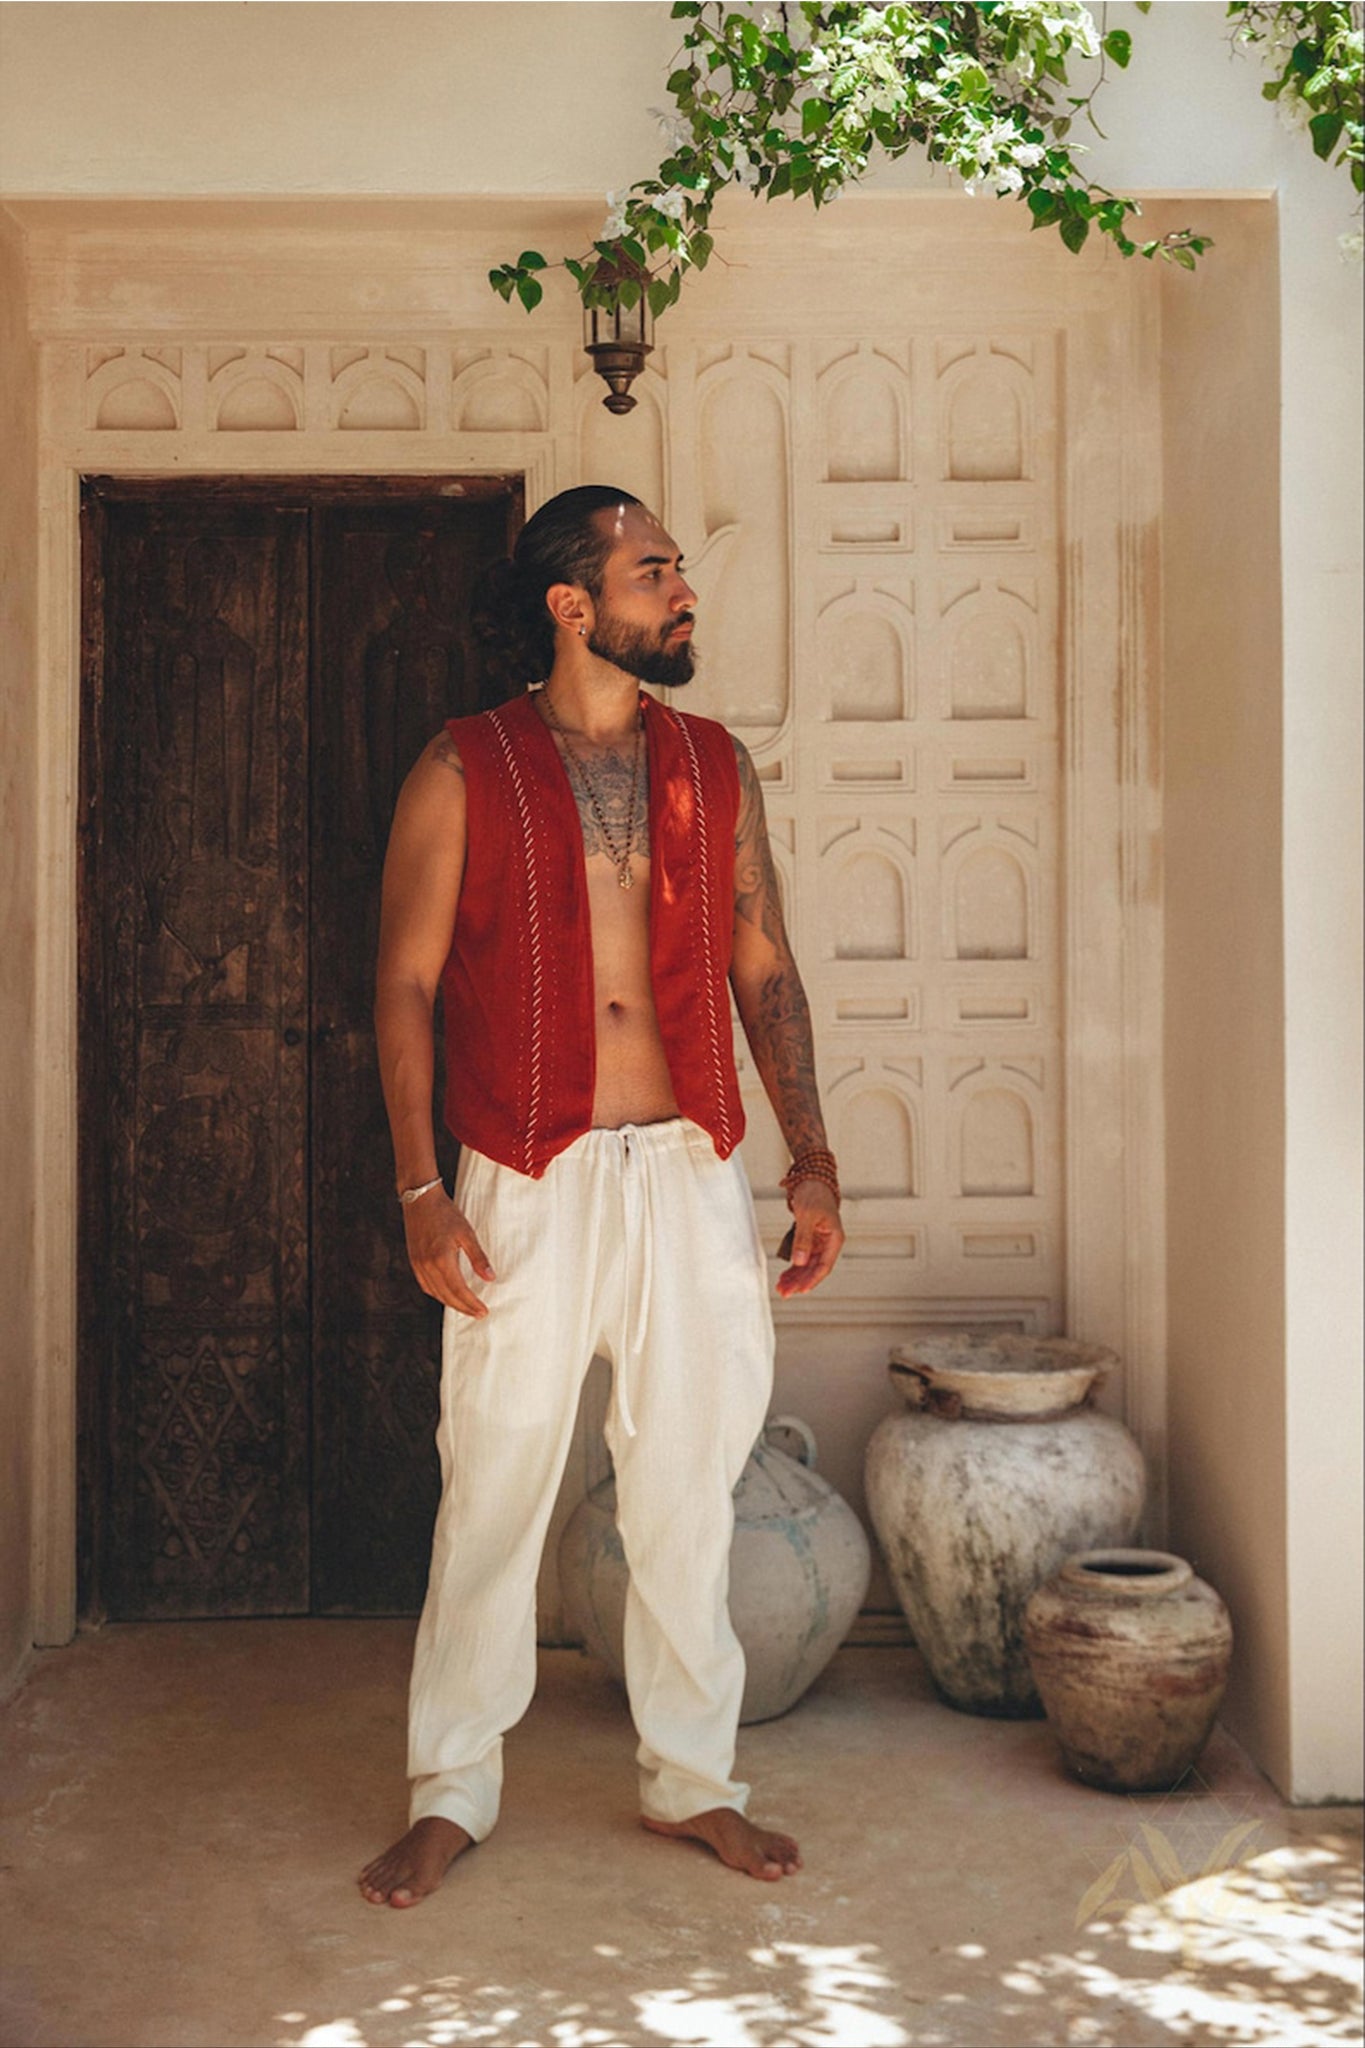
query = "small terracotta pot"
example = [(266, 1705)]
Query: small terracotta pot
[(1130, 1653)]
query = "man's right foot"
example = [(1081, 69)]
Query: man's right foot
[(414, 1866)]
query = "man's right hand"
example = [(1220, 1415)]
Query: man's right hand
[(437, 1232)]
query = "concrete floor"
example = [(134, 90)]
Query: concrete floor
[(185, 1807)]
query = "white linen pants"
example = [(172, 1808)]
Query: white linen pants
[(640, 1245)]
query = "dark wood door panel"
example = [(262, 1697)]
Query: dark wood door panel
[(393, 659), (204, 914)]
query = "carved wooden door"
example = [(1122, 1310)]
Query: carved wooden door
[(259, 1368)]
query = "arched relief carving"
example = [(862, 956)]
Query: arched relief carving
[(874, 1113), (867, 888), (995, 1137), (632, 450), (131, 390), (989, 895), (988, 658), (255, 391), (862, 413), (864, 652), (743, 572), (986, 419), (378, 393), (499, 394)]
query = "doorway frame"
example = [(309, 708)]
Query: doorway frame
[(88, 267)]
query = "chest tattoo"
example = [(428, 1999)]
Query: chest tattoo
[(610, 775)]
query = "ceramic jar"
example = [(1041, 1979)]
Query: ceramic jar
[(997, 1471), (799, 1567), (1130, 1652)]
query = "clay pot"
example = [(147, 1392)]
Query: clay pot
[(799, 1567), (997, 1471), (1130, 1652)]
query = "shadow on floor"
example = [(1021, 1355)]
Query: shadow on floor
[(187, 1806)]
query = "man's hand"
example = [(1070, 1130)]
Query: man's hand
[(817, 1238), (437, 1232)]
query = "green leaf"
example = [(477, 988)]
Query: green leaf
[(814, 117), (1118, 44), (1184, 257), (782, 178), (1074, 230), (700, 248), (530, 293), (658, 296), (682, 81), (1044, 206), (1325, 128), (530, 259)]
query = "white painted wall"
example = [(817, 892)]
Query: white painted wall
[(442, 99)]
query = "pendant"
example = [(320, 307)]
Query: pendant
[(625, 879)]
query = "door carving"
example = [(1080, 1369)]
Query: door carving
[(263, 663)]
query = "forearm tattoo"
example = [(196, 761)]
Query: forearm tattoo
[(784, 1053)]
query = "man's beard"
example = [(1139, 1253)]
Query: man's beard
[(647, 657)]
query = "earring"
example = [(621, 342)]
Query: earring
[(582, 632)]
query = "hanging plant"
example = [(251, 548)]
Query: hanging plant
[(1318, 52), (800, 99)]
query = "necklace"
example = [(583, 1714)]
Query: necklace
[(620, 856)]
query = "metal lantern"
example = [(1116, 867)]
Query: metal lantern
[(618, 338)]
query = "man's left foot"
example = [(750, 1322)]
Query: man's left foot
[(756, 1851)]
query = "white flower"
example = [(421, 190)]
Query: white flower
[(1352, 245), (970, 189), (614, 226), (676, 131), (1029, 154), (1008, 179), (745, 172), (673, 203), (816, 60), (1292, 109)]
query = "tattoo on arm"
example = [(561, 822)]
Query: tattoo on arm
[(780, 1036), (757, 897), (444, 750)]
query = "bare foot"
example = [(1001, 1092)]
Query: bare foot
[(736, 1841), (404, 1874)]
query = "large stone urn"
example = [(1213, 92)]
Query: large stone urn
[(1130, 1652), (997, 1470), (799, 1567)]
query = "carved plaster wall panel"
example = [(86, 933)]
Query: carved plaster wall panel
[(874, 533)]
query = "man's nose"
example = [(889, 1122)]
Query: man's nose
[(684, 596)]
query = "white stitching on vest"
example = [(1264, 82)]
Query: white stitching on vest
[(703, 899), (537, 961)]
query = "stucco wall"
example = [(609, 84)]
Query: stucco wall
[(18, 727), (1224, 1022)]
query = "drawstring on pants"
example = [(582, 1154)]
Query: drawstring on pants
[(638, 1236)]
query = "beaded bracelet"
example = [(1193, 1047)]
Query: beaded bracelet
[(817, 1164)]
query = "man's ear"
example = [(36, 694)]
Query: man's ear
[(570, 606)]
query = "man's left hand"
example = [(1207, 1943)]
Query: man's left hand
[(817, 1238)]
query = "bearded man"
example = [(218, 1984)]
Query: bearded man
[(582, 870)]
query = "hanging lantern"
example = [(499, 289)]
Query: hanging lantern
[(618, 338)]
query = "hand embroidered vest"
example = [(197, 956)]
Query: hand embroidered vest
[(521, 1041)]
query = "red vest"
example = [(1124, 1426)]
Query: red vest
[(521, 1042)]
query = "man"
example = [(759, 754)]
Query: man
[(583, 869)]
